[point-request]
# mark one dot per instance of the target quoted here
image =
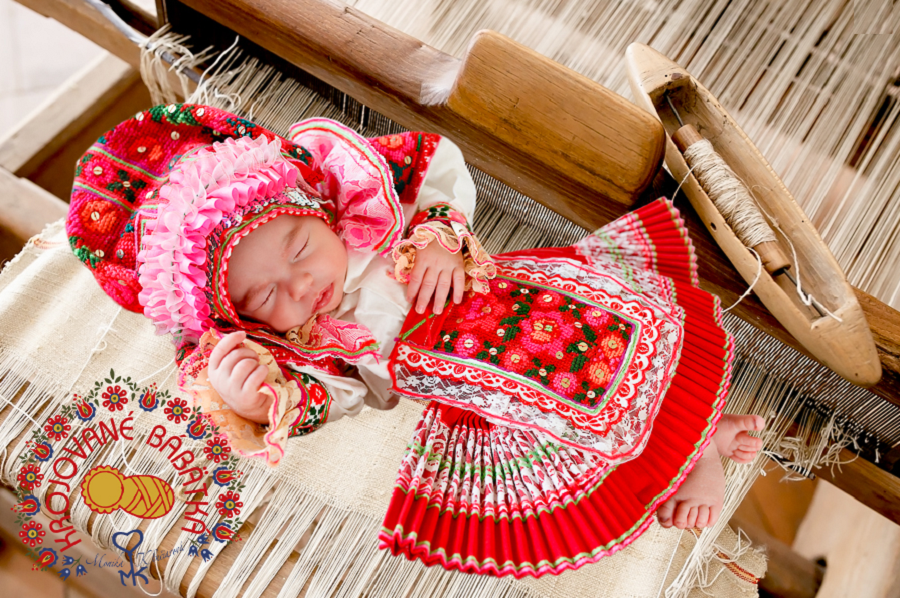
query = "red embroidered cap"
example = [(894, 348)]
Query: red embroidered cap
[(154, 197)]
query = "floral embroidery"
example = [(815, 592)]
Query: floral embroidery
[(32, 534), (547, 336), (42, 450), (570, 350), (223, 476), (316, 413), (217, 449), (177, 410), (230, 504), (197, 427), (148, 400), (30, 477), (84, 410), (57, 428), (222, 532), (115, 398)]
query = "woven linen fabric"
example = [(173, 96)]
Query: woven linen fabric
[(60, 335)]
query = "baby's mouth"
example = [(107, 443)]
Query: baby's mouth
[(323, 299)]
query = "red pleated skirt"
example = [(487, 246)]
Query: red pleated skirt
[(566, 405)]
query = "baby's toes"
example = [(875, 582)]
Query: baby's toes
[(682, 512), (740, 456), (664, 513), (748, 443), (702, 516)]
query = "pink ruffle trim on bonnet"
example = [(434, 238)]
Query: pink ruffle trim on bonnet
[(204, 188)]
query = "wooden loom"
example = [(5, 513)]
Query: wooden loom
[(363, 66)]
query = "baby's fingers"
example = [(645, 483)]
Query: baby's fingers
[(242, 371), (426, 290), (229, 342), (255, 380), (234, 357), (459, 285), (442, 290)]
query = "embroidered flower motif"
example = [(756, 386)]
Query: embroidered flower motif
[(148, 400), (391, 142), (57, 428), (217, 448), (46, 558), (547, 300), (599, 373), (100, 217), (596, 316), (222, 532), (564, 382), (515, 360), (223, 476), (84, 410), (177, 410), (32, 534), (230, 504), (613, 345), (30, 476), (148, 150), (29, 506), (43, 451), (466, 345), (546, 332), (115, 398), (196, 429)]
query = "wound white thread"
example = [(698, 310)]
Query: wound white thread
[(729, 194)]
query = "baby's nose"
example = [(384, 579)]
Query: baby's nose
[(300, 286)]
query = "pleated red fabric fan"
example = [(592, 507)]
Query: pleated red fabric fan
[(568, 403)]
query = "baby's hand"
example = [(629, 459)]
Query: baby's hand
[(236, 374), (434, 271)]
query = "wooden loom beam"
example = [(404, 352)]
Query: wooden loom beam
[(385, 69), (580, 204)]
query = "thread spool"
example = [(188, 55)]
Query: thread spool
[(730, 197)]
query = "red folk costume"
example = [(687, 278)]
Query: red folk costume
[(535, 454)]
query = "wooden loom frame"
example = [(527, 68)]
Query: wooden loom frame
[(361, 66)]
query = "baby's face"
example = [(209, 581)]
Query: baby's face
[(287, 270)]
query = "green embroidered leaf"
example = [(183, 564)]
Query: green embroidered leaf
[(510, 321), (577, 363), (495, 360), (531, 373), (511, 333), (589, 333), (481, 355)]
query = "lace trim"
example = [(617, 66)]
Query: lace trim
[(478, 265)]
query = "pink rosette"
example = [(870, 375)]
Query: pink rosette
[(206, 186)]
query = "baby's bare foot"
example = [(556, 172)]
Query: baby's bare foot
[(698, 501), (732, 440)]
